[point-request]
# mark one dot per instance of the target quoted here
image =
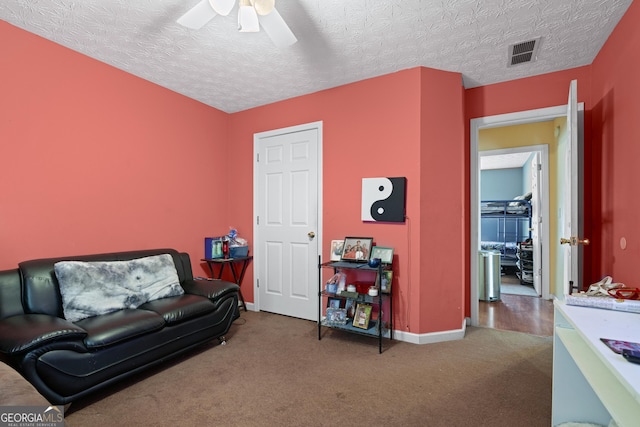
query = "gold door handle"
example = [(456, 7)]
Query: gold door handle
[(311, 234), (574, 241)]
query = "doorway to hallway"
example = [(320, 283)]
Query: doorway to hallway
[(495, 122), (514, 197)]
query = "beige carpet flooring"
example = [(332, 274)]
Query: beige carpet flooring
[(275, 372)]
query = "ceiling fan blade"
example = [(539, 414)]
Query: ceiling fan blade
[(222, 7), (277, 29), (196, 17), (263, 7)]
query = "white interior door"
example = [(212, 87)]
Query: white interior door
[(570, 195), (287, 220), (536, 221)]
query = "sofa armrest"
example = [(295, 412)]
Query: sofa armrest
[(23, 333), (211, 288)]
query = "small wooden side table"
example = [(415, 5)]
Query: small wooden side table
[(234, 264)]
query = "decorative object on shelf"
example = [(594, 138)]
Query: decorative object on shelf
[(331, 288), (336, 316), (333, 302), (336, 283), (362, 316), (385, 254), (213, 247), (347, 294), (374, 262), (238, 246), (351, 288), (373, 291), (357, 249), (385, 281), (350, 307), (383, 199), (225, 248), (336, 250)]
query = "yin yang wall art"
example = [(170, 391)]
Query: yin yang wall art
[(383, 199)]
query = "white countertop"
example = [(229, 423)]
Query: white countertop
[(594, 323)]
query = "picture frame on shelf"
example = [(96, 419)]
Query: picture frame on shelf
[(334, 302), (384, 253), (385, 281), (350, 307), (335, 316), (337, 247), (356, 249), (362, 316)]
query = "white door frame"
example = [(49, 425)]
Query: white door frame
[(509, 119), (543, 228), (258, 257), (540, 196)]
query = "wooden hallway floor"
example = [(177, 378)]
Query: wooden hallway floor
[(528, 314)]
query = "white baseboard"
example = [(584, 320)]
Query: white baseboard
[(431, 337), (428, 338)]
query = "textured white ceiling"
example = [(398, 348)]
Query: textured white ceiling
[(339, 41)]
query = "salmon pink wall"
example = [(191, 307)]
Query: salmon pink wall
[(370, 128), (616, 150), (97, 160), (444, 206), (609, 88), (546, 90)]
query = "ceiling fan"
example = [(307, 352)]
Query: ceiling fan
[(252, 14)]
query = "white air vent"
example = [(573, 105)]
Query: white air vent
[(520, 53)]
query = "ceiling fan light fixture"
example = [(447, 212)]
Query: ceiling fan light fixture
[(222, 7), (247, 18)]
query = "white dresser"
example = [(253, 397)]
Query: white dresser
[(591, 383)]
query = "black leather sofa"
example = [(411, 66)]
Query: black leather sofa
[(65, 361)]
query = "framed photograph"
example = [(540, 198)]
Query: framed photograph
[(336, 316), (357, 249), (336, 250), (362, 317), (334, 302), (385, 281), (350, 307), (385, 254)]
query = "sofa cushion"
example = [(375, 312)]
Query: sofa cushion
[(27, 331), (112, 328), (178, 309), (92, 288)]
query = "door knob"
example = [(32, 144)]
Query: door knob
[(574, 241), (311, 234)]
